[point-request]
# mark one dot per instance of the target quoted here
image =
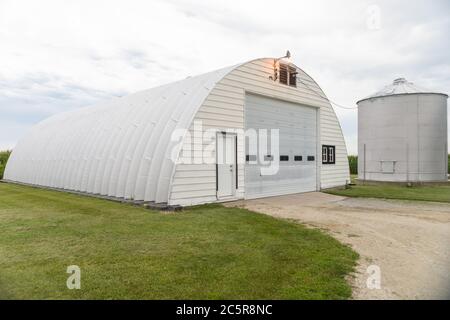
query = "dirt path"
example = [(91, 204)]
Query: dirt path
[(408, 240)]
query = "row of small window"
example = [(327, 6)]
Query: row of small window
[(282, 158), (328, 156)]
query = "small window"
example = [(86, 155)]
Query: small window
[(311, 158), (268, 157), (250, 158), (284, 158), (328, 154), (298, 158), (288, 75)]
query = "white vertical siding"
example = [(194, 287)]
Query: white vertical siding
[(224, 109)]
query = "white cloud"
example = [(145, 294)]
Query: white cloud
[(59, 55)]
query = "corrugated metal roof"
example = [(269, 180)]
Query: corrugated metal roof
[(120, 148), (400, 86)]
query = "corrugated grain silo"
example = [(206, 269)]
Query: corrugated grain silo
[(402, 134)]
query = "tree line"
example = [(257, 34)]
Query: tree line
[(4, 155)]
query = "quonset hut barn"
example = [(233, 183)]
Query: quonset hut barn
[(188, 142)]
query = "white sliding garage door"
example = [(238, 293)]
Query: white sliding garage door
[(297, 160)]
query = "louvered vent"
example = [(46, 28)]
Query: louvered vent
[(288, 75), (283, 74)]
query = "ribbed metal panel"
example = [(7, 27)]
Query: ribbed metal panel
[(121, 148)]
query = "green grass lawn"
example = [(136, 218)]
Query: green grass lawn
[(440, 193), (127, 252)]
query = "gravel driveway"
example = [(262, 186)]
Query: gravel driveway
[(408, 240)]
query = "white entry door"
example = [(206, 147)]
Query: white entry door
[(226, 165)]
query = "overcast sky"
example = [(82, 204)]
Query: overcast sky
[(60, 55)]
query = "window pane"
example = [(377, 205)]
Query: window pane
[(331, 154), (324, 154)]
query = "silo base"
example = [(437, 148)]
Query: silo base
[(403, 177), (403, 183)]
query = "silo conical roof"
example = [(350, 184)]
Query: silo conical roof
[(400, 86)]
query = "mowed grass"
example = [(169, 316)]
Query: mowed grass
[(127, 252), (438, 193)]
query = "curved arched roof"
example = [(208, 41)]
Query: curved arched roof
[(121, 148)]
